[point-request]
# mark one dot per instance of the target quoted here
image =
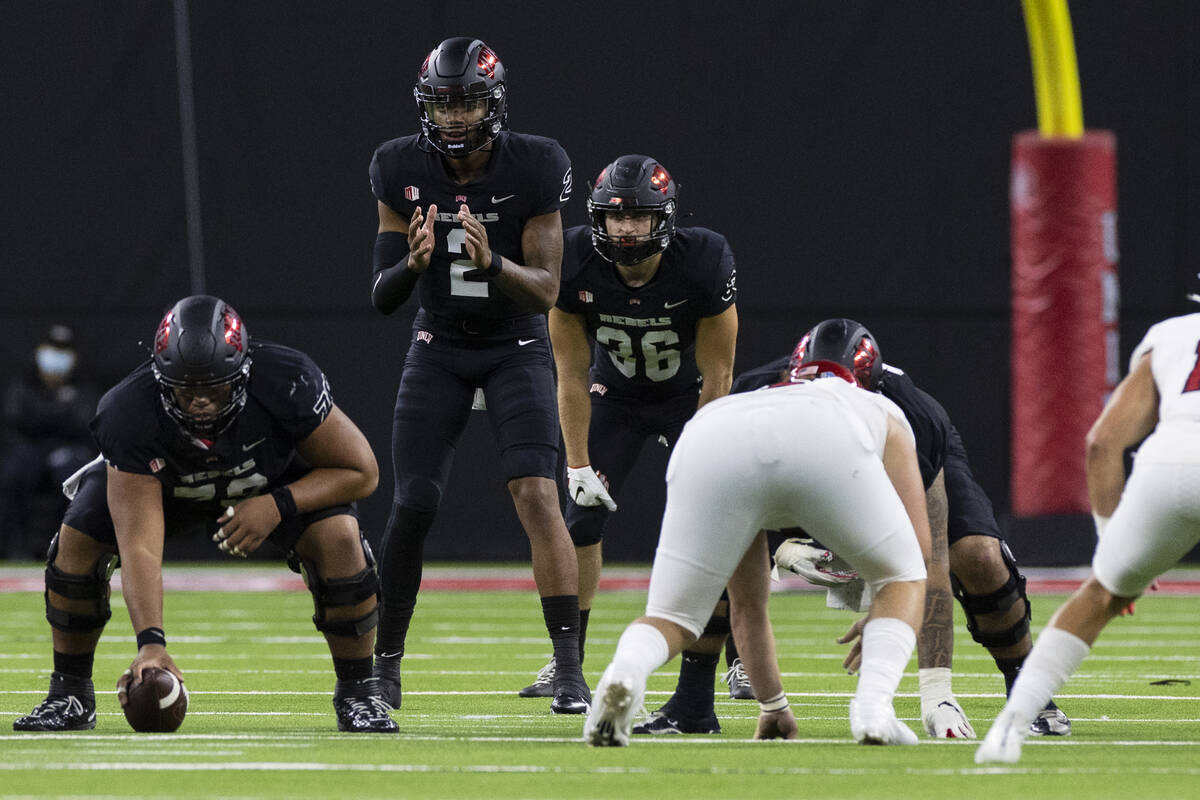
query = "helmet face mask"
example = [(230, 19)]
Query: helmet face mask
[(633, 185), (202, 365), (837, 347), (461, 98)]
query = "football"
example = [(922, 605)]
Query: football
[(158, 703)]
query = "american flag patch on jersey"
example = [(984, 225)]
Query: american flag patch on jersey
[(587, 297), (412, 193), (156, 464)]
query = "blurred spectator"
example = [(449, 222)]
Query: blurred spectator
[(44, 438)]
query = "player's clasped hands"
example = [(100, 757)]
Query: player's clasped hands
[(477, 239), (242, 533), (420, 238)]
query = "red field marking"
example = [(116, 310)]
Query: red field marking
[(235, 580)]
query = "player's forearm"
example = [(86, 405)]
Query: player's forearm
[(715, 386), (756, 647), (575, 417), (533, 288), (141, 585), (330, 486)]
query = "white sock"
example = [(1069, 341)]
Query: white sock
[(1055, 655), (887, 646), (641, 649)]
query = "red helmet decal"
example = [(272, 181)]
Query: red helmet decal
[(424, 70), (865, 357), (487, 63), (233, 329), (163, 335), (659, 179)]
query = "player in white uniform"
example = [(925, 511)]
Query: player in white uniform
[(1155, 517), (824, 455)]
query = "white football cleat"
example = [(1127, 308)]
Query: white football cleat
[(1003, 741), (878, 725), (610, 720)]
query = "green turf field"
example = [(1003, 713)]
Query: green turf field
[(261, 723)]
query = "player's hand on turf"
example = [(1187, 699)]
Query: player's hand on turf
[(853, 636), (588, 487), (941, 714), (242, 533), (776, 725), (420, 238), (477, 239), (151, 655)]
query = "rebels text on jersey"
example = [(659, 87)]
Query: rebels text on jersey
[(645, 337), (287, 398), (929, 421), (526, 176)]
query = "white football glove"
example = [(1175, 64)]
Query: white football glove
[(587, 488), (815, 564), (940, 712)]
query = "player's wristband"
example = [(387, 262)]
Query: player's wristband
[(777, 703), (284, 502), (480, 274), (151, 636)]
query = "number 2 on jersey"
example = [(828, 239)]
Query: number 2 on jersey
[(459, 287)]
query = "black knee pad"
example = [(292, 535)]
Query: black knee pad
[(995, 602), (91, 586), (341, 592), (587, 531)]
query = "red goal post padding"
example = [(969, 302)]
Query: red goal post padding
[(1064, 312)]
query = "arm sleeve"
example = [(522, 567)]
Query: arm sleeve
[(393, 281)]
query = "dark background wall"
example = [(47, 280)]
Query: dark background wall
[(855, 153)]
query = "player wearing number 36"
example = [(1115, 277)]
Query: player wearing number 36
[(644, 333), (469, 217), (238, 440)]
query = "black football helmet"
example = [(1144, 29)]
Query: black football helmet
[(201, 343), (461, 70), (841, 347), (633, 183)]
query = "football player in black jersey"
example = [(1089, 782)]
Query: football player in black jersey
[(241, 440), (644, 333), (469, 215), (982, 572)]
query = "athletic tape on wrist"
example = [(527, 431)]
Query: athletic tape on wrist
[(284, 502), (777, 703)]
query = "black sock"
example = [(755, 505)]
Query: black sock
[(731, 653), (694, 692), (561, 613), (400, 567), (352, 669), (584, 613), (77, 665), (1009, 668)]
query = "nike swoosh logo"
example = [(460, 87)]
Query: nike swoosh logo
[(672, 305), (578, 492), (391, 655), (378, 278), (523, 342), (496, 200), (253, 444)]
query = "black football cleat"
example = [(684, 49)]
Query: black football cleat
[(571, 694), (739, 682), (1050, 721), (361, 708), (543, 684), (387, 672), (665, 721), (70, 706)]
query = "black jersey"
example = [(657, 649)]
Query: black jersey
[(287, 398), (645, 337), (930, 422), (527, 176)]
